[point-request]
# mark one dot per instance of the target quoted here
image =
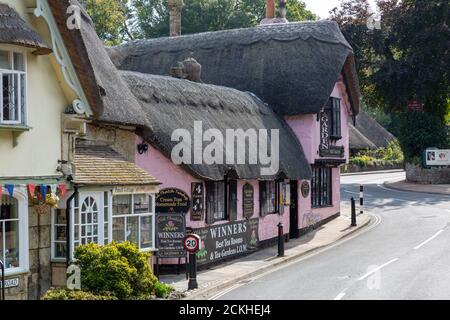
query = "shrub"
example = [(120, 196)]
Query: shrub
[(118, 268), (163, 290), (66, 294)]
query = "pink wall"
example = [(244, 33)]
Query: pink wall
[(307, 130), (173, 176)]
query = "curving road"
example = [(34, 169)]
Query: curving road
[(403, 254)]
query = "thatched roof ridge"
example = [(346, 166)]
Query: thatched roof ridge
[(293, 66), (172, 104), (108, 95), (14, 30), (358, 141)]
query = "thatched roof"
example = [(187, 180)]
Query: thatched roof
[(171, 104), (98, 164), (358, 141), (14, 30), (108, 95), (293, 66), (373, 131)]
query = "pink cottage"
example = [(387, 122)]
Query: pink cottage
[(298, 78)]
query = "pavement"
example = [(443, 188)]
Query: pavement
[(402, 254), (402, 185), (222, 277)]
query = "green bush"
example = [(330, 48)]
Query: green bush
[(163, 290), (418, 131), (66, 294), (118, 268)]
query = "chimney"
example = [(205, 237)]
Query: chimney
[(175, 7), (270, 9), (271, 17)]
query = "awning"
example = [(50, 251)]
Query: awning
[(14, 30), (100, 165)]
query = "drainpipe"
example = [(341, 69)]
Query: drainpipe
[(68, 209)]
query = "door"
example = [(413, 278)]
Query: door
[(293, 211)]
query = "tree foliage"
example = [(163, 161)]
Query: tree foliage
[(120, 20)]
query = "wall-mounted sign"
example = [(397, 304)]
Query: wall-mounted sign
[(436, 157), (10, 283), (333, 151), (227, 240), (170, 233), (172, 200), (198, 208), (135, 189), (324, 131), (248, 200), (414, 105), (305, 189)]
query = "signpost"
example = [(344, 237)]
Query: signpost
[(192, 244), (437, 157)]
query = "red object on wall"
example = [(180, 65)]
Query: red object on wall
[(31, 189), (414, 105)]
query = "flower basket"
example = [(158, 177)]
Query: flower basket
[(42, 209)]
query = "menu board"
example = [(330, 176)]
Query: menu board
[(248, 197), (170, 232)]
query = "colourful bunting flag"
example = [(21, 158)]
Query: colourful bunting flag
[(10, 188), (63, 190), (31, 189), (53, 187), (44, 192), (1, 191)]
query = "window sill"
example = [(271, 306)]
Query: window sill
[(15, 272), (16, 129), (322, 207)]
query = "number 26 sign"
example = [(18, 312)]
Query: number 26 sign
[(192, 243)]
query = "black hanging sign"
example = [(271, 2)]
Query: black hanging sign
[(197, 201), (172, 200), (170, 233), (324, 131), (248, 197)]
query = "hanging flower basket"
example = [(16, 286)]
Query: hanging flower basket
[(42, 209)]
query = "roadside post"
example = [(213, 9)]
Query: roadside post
[(192, 244), (361, 199), (353, 212), (280, 240)]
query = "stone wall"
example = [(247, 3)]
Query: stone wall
[(433, 175)]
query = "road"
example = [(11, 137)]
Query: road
[(403, 254)]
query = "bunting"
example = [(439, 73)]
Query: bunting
[(10, 188), (53, 188), (1, 191), (63, 190), (31, 189)]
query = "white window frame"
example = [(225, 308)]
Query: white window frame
[(102, 236), (139, 215), (21, 120), (54, 225), (22, 201)]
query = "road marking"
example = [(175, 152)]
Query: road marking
[(428, 240), (357, 193), (340, 296), (376, 269), (220, 294)]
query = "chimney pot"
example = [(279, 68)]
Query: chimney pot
[(175, 7)]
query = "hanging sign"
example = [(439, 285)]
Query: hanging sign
[(172, 200), (197, 201), (170, 233), (248, 200), (324, 131)]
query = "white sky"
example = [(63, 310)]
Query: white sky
[(322, 7)]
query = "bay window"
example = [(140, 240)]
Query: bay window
[(13, 87), (14, 232), (100, 217)]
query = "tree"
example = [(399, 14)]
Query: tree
[(120, 20), (111, 18)]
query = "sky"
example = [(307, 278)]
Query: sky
[(322, 7)]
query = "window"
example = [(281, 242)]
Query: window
[(269, 192), (9, 232), (132, 219), (59, 238), (334, 111), (13, 87), (215, 201), (321, 187), (232, 200)]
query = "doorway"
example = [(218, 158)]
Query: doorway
[(293, 211)]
